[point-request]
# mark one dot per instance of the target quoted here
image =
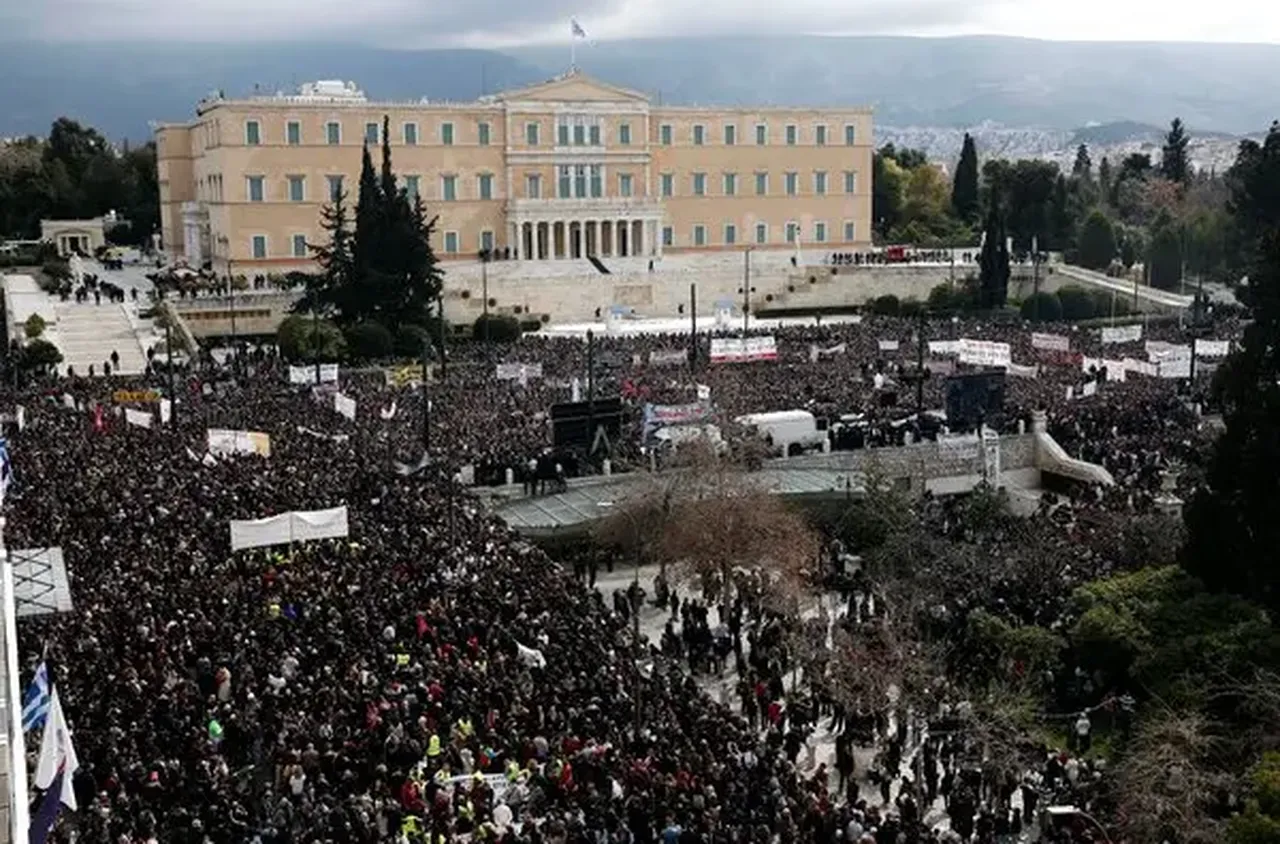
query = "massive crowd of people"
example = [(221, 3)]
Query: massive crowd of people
[(433, 677)]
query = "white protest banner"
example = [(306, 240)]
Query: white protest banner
[(1115, 369), (704, 392), (727, 350), (735, 350), (517, 371), (294, 526), (761, 348), (498, 784), (1176, 368), (888, 345), (1213, 348), (940, 366), (321, 435), (1158, 352), (1090, 389), (984, 352), (137, 417), (837, 349), (1141, 367), (307, 374), (222, 442), (1032, 371), (1050, 342), (1122, 334), (345, 405), (668, 357), (20, 417), (944, 347), (166, 411)]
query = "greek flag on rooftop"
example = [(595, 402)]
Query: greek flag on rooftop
[(35, 703)]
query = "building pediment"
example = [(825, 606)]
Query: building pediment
[(574, 87)]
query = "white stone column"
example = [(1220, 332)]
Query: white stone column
[(515, 230)]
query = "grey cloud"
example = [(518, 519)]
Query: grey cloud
[(406, 23)]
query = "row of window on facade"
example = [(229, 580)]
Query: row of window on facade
[(451, 241), (791, 233), (574, 182), (570, 131)]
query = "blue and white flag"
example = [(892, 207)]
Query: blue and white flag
[(55, 773), (35, 703), (576, 29), (6, 468)]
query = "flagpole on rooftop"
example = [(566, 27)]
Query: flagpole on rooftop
[(19, 790)]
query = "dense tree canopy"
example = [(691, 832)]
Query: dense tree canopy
[(1234, 542), (1097, 242), (77, 174), (383, 272)]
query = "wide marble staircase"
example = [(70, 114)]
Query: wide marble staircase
[(87, 334)]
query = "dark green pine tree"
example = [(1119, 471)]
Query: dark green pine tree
[(993, 262), (367, 250), (1104, 178), (1174, 164), (964, 189), (1233, 540), (333, 289), (1083, 168)]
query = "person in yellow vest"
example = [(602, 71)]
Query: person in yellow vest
[(513, 770), (464, 728), (410, 828), (433, 746)]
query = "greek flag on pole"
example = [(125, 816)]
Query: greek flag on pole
[(55, 773), (6, 467), (576, 28), (35, 703)]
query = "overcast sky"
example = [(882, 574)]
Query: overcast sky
[(491, 23)]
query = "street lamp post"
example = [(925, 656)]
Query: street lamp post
[(636, 603), (225, 243), (746, 289)]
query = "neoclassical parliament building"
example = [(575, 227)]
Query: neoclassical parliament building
[(570, 168)]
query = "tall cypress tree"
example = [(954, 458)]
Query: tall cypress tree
[(993, 263), (1083, 167), (334, 287), (1233, 541), (369, 239), (1174, 164), (964, 189), (1104, 178)]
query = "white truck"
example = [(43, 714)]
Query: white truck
[(788, 432)]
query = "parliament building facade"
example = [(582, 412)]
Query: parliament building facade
[(570, 168)]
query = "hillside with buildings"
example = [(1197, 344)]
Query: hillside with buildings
[(1212, 151)]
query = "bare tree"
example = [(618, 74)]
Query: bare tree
[(1166, 782), (711, 523)]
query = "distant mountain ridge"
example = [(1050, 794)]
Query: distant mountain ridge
[(946, 83)]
